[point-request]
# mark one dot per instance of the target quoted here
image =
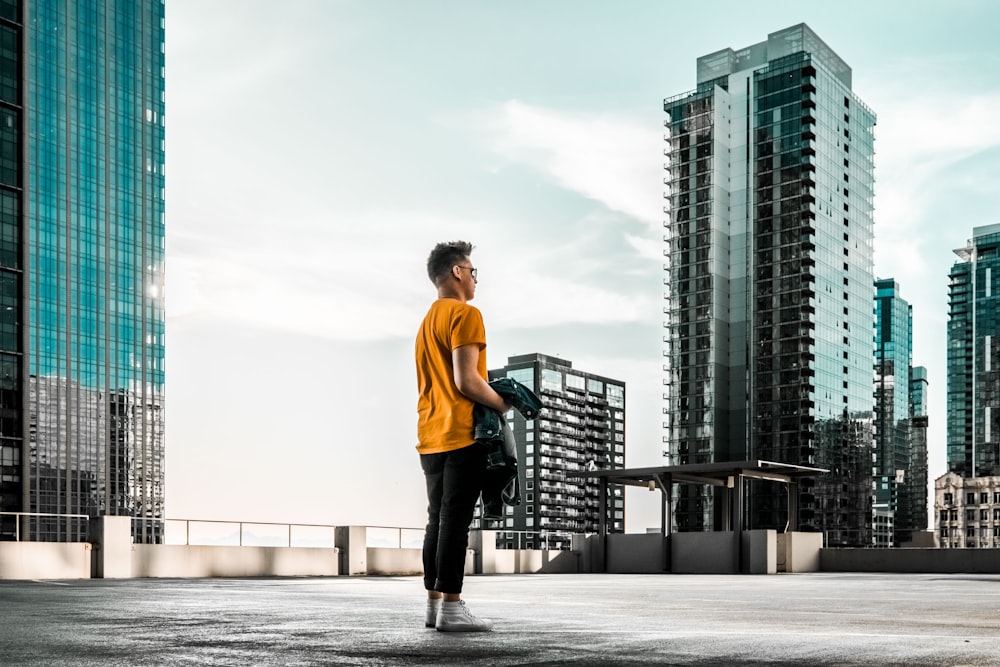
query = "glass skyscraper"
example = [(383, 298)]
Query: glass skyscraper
[(973, 431), (900, 431), (769, 281), (81, 265)]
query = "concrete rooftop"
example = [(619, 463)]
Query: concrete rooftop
[(562, 619)]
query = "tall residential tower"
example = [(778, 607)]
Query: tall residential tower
[(974, 357), (769, 281), (81, 265), (582, 425)]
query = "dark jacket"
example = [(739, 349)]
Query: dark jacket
[(501, 486)]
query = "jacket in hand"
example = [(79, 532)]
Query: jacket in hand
[(501, 486)]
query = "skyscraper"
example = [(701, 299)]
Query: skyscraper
[(81, 265), (900, 432), (918, 448), (973, 359), (769, 281), (582, 425)]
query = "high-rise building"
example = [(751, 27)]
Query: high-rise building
[(769, 281), (973, 447), (81, 265), (918, 487), (900, 469), (582, 426)]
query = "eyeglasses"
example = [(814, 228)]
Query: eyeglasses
[(474, 271)]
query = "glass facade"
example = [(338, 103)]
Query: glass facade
[(769, 284), (973, 447), (89, 361), (918, 448), (582, 425), (901, 471)]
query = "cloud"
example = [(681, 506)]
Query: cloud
[(362, 276), (614, 160), (926, 145)]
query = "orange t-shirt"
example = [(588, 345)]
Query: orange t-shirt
[(444, 415)]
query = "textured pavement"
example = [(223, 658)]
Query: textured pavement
[(793, 619)]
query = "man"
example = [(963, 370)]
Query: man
[(451, 379)]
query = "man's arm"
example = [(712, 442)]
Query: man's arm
[(465, 360)]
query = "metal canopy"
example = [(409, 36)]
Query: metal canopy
[(727, 475), (714, 474)]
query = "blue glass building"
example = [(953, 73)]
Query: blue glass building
[(900, 418), (81, 265), (769, 281), (973, 429)]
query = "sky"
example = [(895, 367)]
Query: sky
[(318, 149)]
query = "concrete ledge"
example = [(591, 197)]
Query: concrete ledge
[(524, 561), (799, 552), (162, 560), (45, 560), (638, 553), (939, 561), (389, 561)]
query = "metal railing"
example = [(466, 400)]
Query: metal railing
[(66, 531), (209, 532), (393, 537)]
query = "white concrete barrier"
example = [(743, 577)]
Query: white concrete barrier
[(397, 561), (184, 561), (45, 560)]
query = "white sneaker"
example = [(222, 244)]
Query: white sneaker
[(456, 617), (433, 607)]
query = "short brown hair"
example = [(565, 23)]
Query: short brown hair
[(444, 256)]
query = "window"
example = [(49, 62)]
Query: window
[(996, 496), (575, 382), (616, 396), (595, 386), (970, 515), (525, 376), (984, 515), (944, 531), (944, 515), (551, 379), (947, 499), (970, 498), (984, 498), (529, 486), (970, 531), (530, 509), (953, 515)]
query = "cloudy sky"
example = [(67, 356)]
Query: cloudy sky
[(317, 150)]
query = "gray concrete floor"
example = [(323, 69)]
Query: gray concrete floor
[(799, 619)]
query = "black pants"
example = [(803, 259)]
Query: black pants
[(454, 482)]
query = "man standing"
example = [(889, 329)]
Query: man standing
[(451, 379)]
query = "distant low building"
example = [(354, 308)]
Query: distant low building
[(968, 511), (582, 426)]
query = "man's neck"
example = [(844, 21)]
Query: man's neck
[(447, 292)]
